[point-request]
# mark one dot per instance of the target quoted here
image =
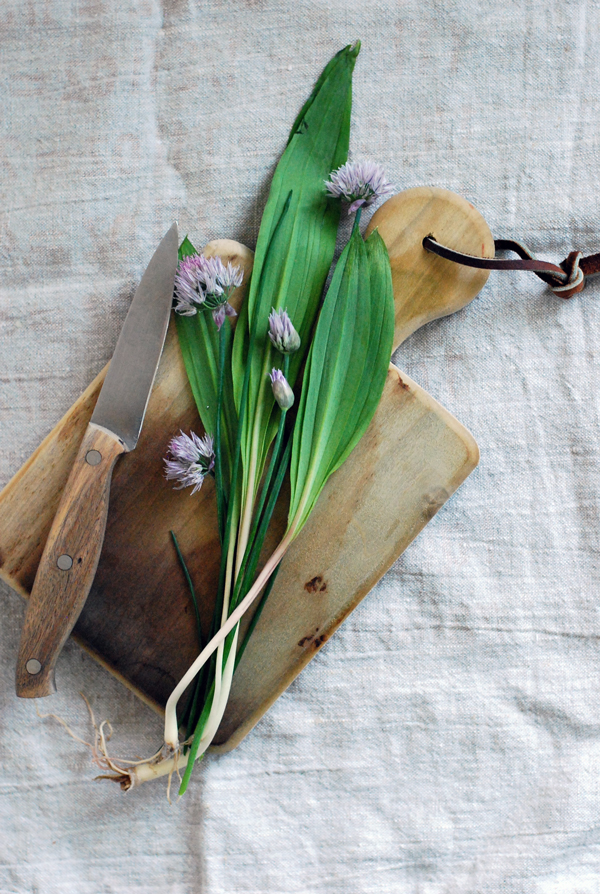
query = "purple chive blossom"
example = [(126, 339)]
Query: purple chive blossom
[(282, 332), (218, 282), (358, 183), (206, 282), (218, 278), (190, 460), (282, 392), (188, 293)]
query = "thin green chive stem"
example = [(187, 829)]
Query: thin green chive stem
[(190, 585), (221, 508), (191, 706), (243, 585)]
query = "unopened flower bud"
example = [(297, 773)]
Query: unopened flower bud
[(282, 332), (282, 392)]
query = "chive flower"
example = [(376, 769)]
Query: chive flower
[(358, 183), (190, 460), (282, 392), (282, 332), (206, 283), (188, 294)]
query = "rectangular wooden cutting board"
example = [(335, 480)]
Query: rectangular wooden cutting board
[(138, 620)]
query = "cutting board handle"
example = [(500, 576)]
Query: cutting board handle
[(427, 287), (68, 563)]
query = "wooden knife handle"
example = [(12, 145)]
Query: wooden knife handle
[(68, 563)]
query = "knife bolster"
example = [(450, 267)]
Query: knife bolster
[(69, 562)]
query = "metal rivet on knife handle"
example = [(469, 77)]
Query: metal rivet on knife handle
[(33, 666), (93, 457), (64, 562)]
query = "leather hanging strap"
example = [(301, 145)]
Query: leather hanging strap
[(564, 280)]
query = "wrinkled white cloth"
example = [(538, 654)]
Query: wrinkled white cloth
[(447, 739)]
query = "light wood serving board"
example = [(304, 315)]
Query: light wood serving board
[(138, 620)]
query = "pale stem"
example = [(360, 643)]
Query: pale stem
[(171, 729), (246, 523), (244, 531), (224, 613), (219, 701), (146, 772)]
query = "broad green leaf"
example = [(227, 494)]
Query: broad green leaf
[(322, 78), (345, 371), (199, 343), (293, 275), (379, 350)]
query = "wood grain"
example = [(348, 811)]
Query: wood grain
[(138, 619), (427, 287), (68, 563)]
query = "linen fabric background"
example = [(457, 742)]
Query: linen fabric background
[(447, 739)]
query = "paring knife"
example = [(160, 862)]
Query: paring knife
[(70, 558)]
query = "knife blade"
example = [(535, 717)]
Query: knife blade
[(72, 551)]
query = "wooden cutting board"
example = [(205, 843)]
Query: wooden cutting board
[(138, 620)]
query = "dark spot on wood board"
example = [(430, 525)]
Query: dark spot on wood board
[(402, 384), (319, 640), (434, 500), (305, 641), (315, 585)]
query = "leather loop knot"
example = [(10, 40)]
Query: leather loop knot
[(576, 279)]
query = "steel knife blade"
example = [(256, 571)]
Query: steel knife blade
[(72, 551)]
